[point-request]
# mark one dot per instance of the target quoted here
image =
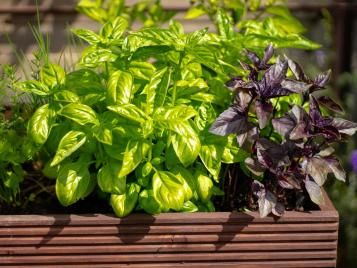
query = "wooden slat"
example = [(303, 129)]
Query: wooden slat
[(218, 247), (165, 218), (164, 229), (168, 238), (248, 264), (158, 257)]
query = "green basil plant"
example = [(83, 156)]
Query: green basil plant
[(132, 120)]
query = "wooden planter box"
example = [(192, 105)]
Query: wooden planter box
[(298, 239)]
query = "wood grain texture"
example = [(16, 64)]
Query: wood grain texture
[(298, 239)]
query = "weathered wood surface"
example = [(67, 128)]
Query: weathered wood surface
[(171, 240)]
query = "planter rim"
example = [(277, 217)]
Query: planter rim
[(327, 212)]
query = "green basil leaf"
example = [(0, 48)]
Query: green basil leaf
[(125, 203), (103, 134), (191, 71), (143, 170), (155, 36), (196, 83), (171, 159), (50, 172), (117, 149), (134, 153), (211, 155), (168, 190), (13, 178), (120, 86), (207, 56), (109, 180), (225, 24), (188, 181), (196, 38), (52, 75), (142, 53), (66, 96), (84, 82), (87, 35), (68, 145), (148, 202), (232, 153), (151, 88), (171, 115), (162, 89), (141, 70), (114, 29), (189, 206), (204, 186), (195, 12), (34, 87), (185, 142), (73, 183), (129, 111), (93, 57), (205, 97), (40, 124), (176, 27), (80, 113), (93, 10)]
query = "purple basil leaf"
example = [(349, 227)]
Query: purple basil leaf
[(283, 125), (245, 66), (270, 154), (299, 131), (288, 181), (344, 126), (278, 92), (314, 192), (297, 70), (242, 100), (266, 200), (230, 121), (295, 86), (268, 53), (235, 83), (241, 138), (273, 78), (253, 58), (294, 125), (285, 184), (314, 112), (318, 169), (251, 135), (330, 104), (258, 189), (267, 204), (336, 168), (254, 166), (327, 151), (279, 209), (322, 79), (330, 133), (264, 111)]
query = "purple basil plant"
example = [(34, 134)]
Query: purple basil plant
[(290, 145)]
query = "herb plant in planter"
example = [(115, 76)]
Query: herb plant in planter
[(135, 128), (140, 123), (278, 119)]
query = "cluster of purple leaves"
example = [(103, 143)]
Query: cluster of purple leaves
[(302, 157)]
